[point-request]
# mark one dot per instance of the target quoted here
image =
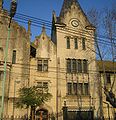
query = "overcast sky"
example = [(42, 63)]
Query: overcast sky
[(42, 9)]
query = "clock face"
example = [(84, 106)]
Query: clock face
[(74, 22)]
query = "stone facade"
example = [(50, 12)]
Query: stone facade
[(65, 63), (17, 59)]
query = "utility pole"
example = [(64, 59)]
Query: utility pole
[(12, 13)]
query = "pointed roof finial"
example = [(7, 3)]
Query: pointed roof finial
[(43, 29), (29, 27)]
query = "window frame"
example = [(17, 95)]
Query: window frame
[(79, 65), (83, 43), (44, 87), (75, 43), (42, 65), (68, 42), (74, 88), (85, 66), (69, 88), (13, 56), (74, 66), (68, 64), (86, 89), (108, 78)]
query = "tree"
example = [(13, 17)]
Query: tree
[(33, 97), (108, 26)]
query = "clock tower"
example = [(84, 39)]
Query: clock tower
[(75, 60)]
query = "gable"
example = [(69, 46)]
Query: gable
[(71, 9)]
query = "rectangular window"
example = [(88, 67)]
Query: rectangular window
[(68, 43), (43, 86), (69, 86), (86, 89), (83, 44), (74, 66), (45, 65), (42, 65), (14, 57), (80, 88), (108, 78), (68, 65), (85, 66), (79, 66), (39, 65), (76, 43), (75, 88)]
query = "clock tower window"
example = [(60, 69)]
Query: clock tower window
[(68, 43), (75, 43)]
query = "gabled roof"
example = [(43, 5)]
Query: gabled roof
[(67, 6), (108, 65)]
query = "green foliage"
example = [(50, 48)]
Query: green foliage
[(33, 96)]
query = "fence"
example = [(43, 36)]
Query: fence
[(14, 118)]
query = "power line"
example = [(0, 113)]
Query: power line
[(27, 17), (41, 22), (101, 41)]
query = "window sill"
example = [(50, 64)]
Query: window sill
[(42, 71), (77, 72)]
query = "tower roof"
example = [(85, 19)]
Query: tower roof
[(67, 5)]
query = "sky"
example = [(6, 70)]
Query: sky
[(42, 9)]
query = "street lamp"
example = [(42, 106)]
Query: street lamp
[(15, 82), (65, 111), (12, 13)]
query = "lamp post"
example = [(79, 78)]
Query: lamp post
[(15, 82), (65, 111), (12, 13)]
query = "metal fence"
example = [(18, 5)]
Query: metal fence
[(14, 118)]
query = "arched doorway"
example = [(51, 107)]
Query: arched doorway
[(42, 114)]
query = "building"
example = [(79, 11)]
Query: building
[(65, 63), (16, 56), (109, 83)]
